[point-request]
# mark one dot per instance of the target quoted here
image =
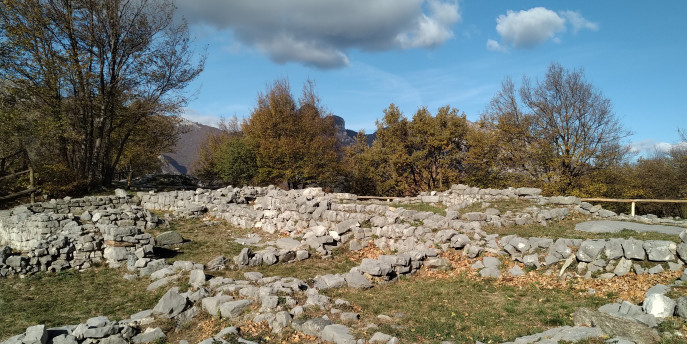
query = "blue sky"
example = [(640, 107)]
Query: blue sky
[(366, 54)]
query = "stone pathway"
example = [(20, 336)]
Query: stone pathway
[(617, 226)]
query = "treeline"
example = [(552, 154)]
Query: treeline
[(558, 134)]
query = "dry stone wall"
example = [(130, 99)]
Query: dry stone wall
[(74, 233)]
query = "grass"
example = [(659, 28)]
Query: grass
[(566, 229), (463, 310), (436, 208), (209, 241), (206, 242), (70, 298), (514, 205)]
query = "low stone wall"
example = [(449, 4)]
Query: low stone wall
[(73, 233)]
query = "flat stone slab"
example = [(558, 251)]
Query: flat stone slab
[(617, 226)]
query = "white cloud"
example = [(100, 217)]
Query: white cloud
[(528, 28), (319, 33), (494, 45), (525, 29), (578, 22), (195, 116), (649, 146)]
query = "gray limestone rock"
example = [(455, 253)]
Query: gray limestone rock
[(169, 238), (531, 260), (349, 317), (490, 272), (217, 264), (357, 280), (590, 250), (243, 258), (36, 334), (657, 269), (329, 281), (211, 304), (660, 250), (459, 241), (614, 248), (338, 334), (614, 326), (197, 278), (379, 337), (355, 245), (67, 339), (149, 336), (681, 309), (491, 262), (232, 309), (312, 327), (633, 249), (253, 275), (515, 271), (623, 267), (374, 267), (317, 300), (171, 304), (659, 305), (288, 244)]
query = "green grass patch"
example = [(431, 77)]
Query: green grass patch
[(206, 242), (209, 241), (461, 310), (514, 205), (436, 208), (70, 297)]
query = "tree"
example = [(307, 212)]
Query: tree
[(294, 142), (94, 72), (206, 166), (236, 163), (409, 156), (561, 129)]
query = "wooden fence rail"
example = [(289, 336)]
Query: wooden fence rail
[(31, 190), (633, 201)]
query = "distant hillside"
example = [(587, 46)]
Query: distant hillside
[(186, 150)]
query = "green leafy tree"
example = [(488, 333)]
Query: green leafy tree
[(236, 162)]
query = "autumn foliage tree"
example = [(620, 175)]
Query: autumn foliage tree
[(93, 73), (294, 141), (409, 156)]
